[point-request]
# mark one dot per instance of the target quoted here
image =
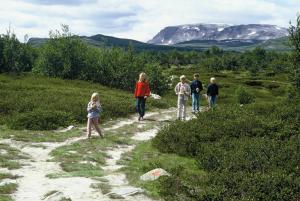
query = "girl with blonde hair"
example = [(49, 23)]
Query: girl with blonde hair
[(183, 91), (94, 109), (141, 93)]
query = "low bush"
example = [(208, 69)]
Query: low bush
[(40, 120), (248, 153), (254, 83), (244, 97)]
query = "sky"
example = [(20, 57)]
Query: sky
[(136, 19)]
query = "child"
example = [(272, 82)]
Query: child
[(196, 88), (212, 92), (141, 93), (94, 109), (183, 91)]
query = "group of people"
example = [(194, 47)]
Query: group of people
[(142, 91), (184, 90)]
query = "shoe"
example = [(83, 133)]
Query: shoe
[(139, 118)]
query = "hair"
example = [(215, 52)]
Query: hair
[(182, 77), (95, 95), (142, 77), (213, 80), (196, 75)]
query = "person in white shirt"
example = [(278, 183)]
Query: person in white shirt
[(183, 91)]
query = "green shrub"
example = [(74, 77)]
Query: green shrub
[(40, 120), (253, 83), (244, 97), (248, 153)]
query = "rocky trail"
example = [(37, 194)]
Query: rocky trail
[(34, 185)]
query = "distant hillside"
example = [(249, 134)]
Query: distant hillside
[(280, 44), (176, 34), (100, 40)]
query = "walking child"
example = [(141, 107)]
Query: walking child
[(141, 93), (212, 92), (183, 91), (196, 88), (94, 108)]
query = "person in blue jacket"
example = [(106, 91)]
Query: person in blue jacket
[(212, 92), (196, 88)]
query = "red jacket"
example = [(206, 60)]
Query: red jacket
[(142, 89)]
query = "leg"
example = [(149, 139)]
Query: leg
[(96, 125), (138, 106), (179, 107), (184, 110), (214, 100), (89, 127), (143, 106), (197, 102), (193, 102), (209, 101)]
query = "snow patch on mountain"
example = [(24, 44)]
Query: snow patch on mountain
[(176, 34)]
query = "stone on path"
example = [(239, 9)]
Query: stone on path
[(154, 174), (125, 191)]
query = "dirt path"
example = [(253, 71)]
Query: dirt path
[(33, 184)]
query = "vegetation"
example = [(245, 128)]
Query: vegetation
[(230, 153), (244, 97), (242, 153), (41, 103)]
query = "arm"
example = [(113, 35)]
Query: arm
[(147, 89), (201, 86), (188, 90), (192, 86), (135, 90), (177, 89), (208, 90), (89, 107)]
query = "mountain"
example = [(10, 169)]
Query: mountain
[(177, 34), (100, 40)]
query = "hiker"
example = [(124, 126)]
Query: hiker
[(94, 109), (196, 88), (212, 92), (183, 91), (141, 93)]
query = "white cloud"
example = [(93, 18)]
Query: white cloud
[(139, 20)]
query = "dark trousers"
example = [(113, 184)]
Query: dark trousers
[(140, 106)]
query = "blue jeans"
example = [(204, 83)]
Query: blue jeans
[(140, 106), (195, 102), (212, 101)]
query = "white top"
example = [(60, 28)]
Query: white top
[(183, 90)]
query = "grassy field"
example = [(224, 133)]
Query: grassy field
[(32, 106), (40, 103), (262, 86)]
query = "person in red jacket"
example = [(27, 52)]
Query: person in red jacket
[(141, 93)]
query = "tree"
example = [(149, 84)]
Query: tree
[(63, 55), (294, 38), (15, 57)]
